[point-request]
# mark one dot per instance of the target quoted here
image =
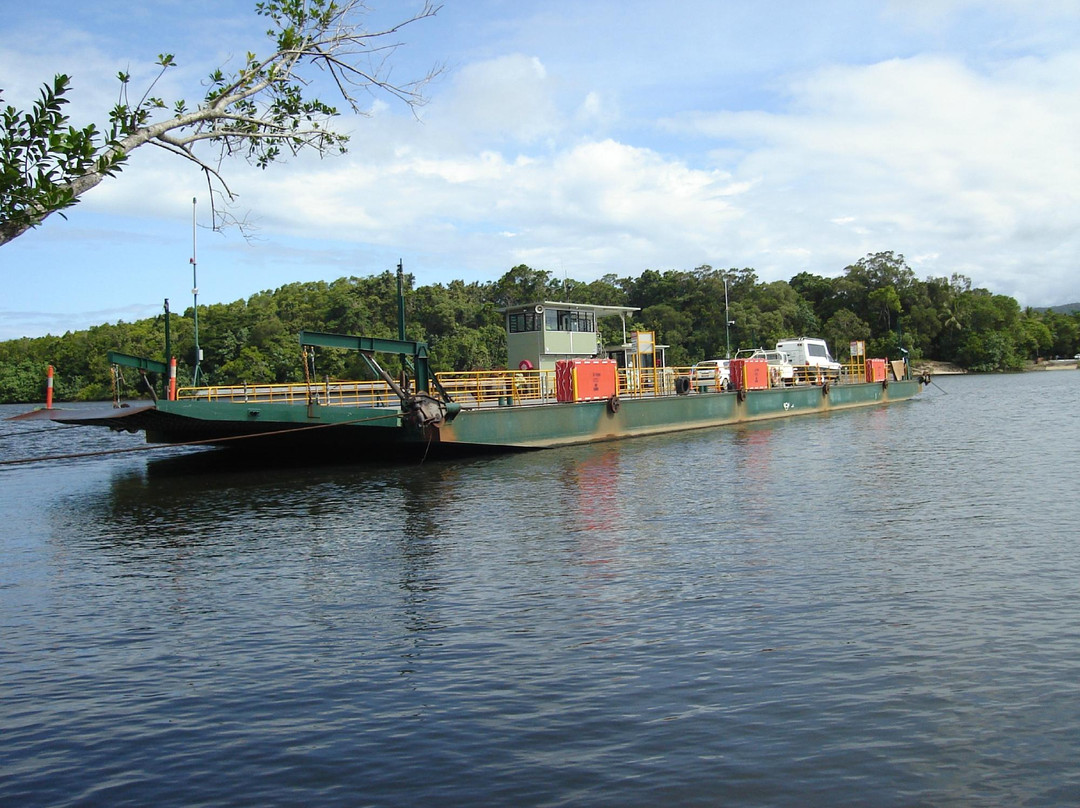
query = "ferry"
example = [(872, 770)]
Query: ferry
[(561, 386)]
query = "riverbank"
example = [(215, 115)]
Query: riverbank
[(1053, 364), (935, 368)]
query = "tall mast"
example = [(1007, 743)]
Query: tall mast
[(727, 321), (195, 298)]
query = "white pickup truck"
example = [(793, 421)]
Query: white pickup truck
[(810, 352)]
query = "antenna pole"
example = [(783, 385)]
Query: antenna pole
[(195, 298), (401, 319), (727, 321)]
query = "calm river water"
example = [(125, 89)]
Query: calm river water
[(879, 607)]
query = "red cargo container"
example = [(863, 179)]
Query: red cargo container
[(749, 374), (875, 370), (586, 379)]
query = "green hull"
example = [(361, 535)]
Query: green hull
[(380, 432), (550, 425)]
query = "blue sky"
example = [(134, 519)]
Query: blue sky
[(586, 138)]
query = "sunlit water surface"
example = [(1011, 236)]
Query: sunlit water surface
[(877, 607)]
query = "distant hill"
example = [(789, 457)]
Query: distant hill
[(1068, 308)]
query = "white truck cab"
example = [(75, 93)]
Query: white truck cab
[(812, 352)]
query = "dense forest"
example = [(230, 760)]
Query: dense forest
[(877, 299)]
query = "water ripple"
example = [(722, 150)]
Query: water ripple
[(872, 607)]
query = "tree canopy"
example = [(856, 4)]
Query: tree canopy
[(260, 111)]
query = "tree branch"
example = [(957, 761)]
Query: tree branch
[(262, 109)]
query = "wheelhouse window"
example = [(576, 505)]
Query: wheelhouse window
[(552, 320), (523, 321), (570, 320)]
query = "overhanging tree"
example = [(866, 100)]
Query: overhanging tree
[(261, 111)]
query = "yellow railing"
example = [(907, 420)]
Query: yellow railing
[(482, 388), (354, 394), (854, 370), (499, 387), (701, 381), (639, 382), (471, 388), (508, 387)]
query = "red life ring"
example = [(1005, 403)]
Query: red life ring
[(525, 364)]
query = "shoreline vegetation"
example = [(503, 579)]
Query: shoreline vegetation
[(699, 314)]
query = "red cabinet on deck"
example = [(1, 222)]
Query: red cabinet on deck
[(750, 374), (586, 379), (875, 370)]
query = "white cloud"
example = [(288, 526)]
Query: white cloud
[(920, 154), (583, 207), (510, 97), (16, 324)]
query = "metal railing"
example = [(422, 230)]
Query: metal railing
[(489, 388), (332, 393), (701, 381), (499, 387), (642, 382)]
